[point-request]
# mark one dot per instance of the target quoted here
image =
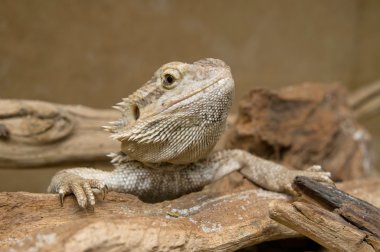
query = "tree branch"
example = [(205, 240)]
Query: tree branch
[(208, 220), (35, 133), (352, 224), (365, 102)]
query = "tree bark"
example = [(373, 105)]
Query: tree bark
[(210, 220)]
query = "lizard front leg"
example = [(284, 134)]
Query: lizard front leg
[(80, 182), (168, 181), (151, 184), (266, 174)]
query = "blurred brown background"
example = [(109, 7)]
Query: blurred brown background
[(96, 52)]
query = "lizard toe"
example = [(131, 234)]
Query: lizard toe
[(288, 188), (62, 192), (80, 194), (315, 168), (89, 193), (317, 174), (322, 176), (99, 185)]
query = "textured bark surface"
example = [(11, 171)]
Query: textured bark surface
[(210, 220), (35, 133), (345, 224), (207, 220), (303, 125), (358, 212), (328, 229)]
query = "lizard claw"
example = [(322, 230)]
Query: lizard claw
[(61, 196), (104, 191), (83, 189)]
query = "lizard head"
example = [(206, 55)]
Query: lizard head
[(178, 115)]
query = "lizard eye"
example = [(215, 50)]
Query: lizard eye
[(170, 78)]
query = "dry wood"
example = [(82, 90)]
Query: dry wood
[(321, 226), (35, 133), (300, 126), (360, 213), (354, 224), (207, 220), (210, 220)]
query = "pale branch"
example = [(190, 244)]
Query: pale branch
[(365, 102), (35, 133), (369, 109)]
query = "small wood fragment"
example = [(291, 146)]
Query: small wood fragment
[(349, 224), (358, 212), (320, 225)]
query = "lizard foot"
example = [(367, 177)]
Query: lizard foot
[(83, 189), (315, 172)]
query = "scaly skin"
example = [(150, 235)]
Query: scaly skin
[(167, 131)]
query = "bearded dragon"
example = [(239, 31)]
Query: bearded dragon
[(168, 129)]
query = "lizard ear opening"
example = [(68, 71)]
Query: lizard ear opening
[(136, 112)]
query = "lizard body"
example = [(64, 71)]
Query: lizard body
[(167, 131)]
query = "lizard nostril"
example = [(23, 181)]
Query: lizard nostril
[(136, 112)]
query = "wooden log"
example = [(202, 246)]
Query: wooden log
[(210, 220), (35, 133), (202, 221), (350, 224)]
